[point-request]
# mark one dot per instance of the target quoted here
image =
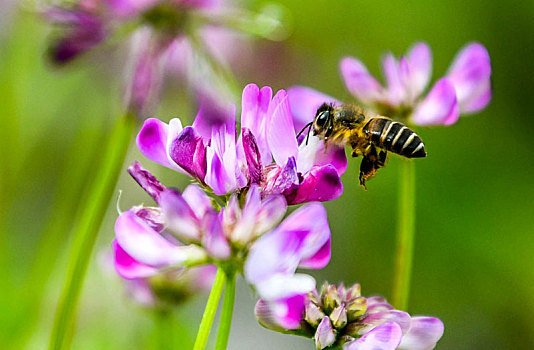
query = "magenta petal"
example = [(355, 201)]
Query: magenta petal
[(255, 116), (383, 337), (423, 334), (400, 317), (213, 238), (180, 218), (470, 74), (152, 141), (319, 259), (144, 244), (439, 107), (212, 114), (252, 156), (359, 81), (281, 132), (396, 90), (281, 314), (189, 152), (198, 201), (333, 155), (278, 179), (309, 225), (304, 102), (321, 183), (146, 180), (420, 65), (129, 268)]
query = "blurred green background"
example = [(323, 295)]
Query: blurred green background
[(474, 262)]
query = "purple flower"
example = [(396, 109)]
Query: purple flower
[(465, 89), (158, 43), (341, 316), (166, 288), (210, 152), (186, 230), (83, 30)]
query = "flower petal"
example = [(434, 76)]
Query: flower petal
[(283, 286), (278, 179), (470, 74), (281, 132), (423, 334), (383, 337), (420, 67), (439, 107), (144, 244), (304, 102), (129, 8), (180, 218), (213, 239), (396, 91), (309, 225), (321, 183), (212, 114), (197, 200), (189, 152), (146, 180), (152, 141), (129, 268), (333, 155), (320, 259), (359, 81), (282, 314), (255, 117), (325, 334), (400, 317), (252, 156)]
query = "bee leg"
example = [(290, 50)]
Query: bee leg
[(371, 162), (355, 152)]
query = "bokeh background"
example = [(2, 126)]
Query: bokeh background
[(474, 262)]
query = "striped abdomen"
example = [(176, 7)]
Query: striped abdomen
[(395, 137)]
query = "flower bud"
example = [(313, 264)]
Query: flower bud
[(313, 314), (354, 328), (325, 334), (356, 308), (353, 292), (330, 298), (339, 317)]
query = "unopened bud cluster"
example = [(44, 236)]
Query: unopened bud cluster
[(335, 314)]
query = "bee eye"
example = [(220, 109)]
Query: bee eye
[(322, 118)]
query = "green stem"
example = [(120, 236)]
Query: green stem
[(405, 237), (210, 310), (86, 232), (226, 314)]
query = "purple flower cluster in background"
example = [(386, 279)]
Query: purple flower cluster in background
[(341, 316), (466, 88), (160, 42)]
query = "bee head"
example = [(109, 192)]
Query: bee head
[(323, 120)]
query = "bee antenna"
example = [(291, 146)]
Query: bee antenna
[(304, 128), (308, 136)]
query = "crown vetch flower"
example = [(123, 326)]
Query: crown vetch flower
[(158, 43), (213, 155), (466, 88), (186, 230), (341, 316)]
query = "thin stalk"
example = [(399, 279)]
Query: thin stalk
[(87, 229), (405, 236), (226, 314), (210, 310)]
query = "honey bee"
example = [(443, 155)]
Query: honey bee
[(368, 135)]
